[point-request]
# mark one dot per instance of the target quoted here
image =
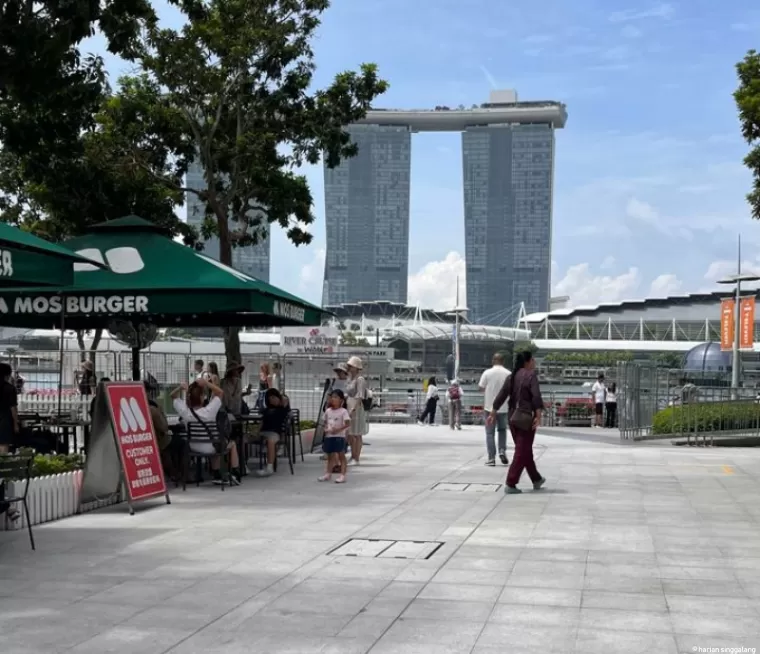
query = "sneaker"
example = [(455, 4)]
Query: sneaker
[(340, 479), (503, 457), (537, 485), (324, 478), (459, 427), (353, 462), (420, 423), (266, 472), (512, 490), (491, 462)]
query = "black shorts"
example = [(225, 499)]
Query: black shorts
[(334, 445), (599, 408)]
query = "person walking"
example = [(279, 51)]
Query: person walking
[(356, 393), (610, 406), (491, 382), (524, 410), (454, 396), (431, 402)]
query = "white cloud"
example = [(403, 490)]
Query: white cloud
[(313, 272), (631, 32), (584, 287), (608, 263), (723, 268), (665, 285), (664, 10), (435, 285)]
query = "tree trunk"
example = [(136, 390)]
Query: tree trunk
[(80, 343), (95, 343), (231, 334)]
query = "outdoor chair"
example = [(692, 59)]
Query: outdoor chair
[(255, 440), (17, 468), (202, 432)]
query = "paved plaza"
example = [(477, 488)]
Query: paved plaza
[(643, 548)]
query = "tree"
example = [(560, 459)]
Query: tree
[(350, 338), (58, 174), (233, 88), (747, 98), (525, 346)]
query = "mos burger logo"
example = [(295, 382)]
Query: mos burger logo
[(131, 418)]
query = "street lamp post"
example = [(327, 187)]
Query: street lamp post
[(737, 279)]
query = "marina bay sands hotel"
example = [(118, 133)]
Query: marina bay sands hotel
[(508, 171)]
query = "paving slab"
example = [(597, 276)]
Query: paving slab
[(630, 548)]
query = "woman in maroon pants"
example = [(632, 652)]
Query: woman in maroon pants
[(525, 406)]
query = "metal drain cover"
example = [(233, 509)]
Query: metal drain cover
[(369, 548), (466, 488)]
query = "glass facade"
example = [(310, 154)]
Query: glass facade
[(252, 260), (367, 218), (508, 183)]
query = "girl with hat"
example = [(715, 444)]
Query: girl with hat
[(356, 392)]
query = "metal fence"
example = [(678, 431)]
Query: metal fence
[(661, 403)]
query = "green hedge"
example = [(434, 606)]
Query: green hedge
[(707, 417), (53, 464)]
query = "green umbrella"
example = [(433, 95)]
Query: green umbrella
[(151, 279), (26, 260)]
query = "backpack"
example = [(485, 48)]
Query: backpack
[(455, 392)]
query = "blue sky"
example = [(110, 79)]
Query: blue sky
[(649, 185)]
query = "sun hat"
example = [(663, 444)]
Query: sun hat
[(355, 362), (234, 365), (341, 367)]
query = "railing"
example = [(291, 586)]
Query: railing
[(51, 498), (658, 403)]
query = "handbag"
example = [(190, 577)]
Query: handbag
[(521, 419)]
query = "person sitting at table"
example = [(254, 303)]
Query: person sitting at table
[(274, 417), (9, 424), (163, 435), (192, 409)]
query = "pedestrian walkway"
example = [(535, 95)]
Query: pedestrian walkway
[(629, 549)]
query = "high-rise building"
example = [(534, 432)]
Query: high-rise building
[(252, 260), (508, 182), (508, 162), (367, 218)]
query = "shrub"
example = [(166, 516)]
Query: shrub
[(707, 417), (54, 464), (307, 424)]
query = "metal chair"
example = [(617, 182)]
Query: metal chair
[(17, 468), (203, 432)]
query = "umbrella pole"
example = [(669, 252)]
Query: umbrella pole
[(60, 357), (135, 364)]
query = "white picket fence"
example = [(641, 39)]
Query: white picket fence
[(51, 498), (75, 406)]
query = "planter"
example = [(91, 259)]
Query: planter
[(51, 498)]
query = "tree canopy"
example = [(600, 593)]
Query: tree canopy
[(747, 98), (232, 90)]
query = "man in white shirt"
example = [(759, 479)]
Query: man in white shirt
[(598, 396), (490, 383), (199, 371)]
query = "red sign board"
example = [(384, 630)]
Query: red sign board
[(747, 330), (136, 440)]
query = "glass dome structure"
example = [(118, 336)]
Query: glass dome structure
[(707, 357)]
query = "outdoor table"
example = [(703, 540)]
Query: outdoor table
[(254, 418), (64, 427)]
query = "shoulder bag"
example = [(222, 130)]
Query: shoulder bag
[(521, 419)]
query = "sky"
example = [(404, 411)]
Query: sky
[(650, 188)]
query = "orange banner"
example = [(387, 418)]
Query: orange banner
[(747, 324), (727, 324)]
